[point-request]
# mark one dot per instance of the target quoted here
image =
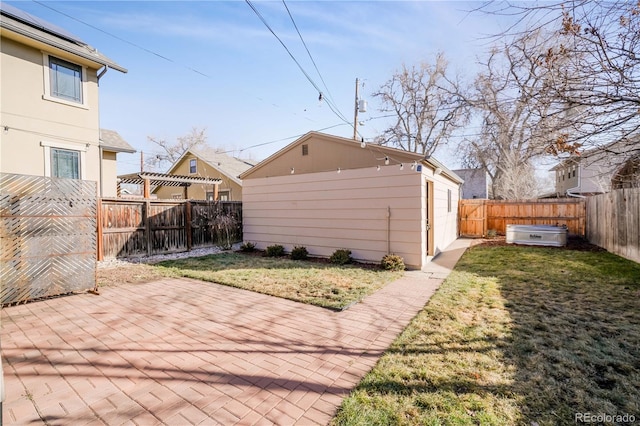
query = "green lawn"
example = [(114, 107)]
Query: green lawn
[(515, 335), (312, 282)]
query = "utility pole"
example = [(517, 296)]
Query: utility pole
[(355, 114), (141, 162)]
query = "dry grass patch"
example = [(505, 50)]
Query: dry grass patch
[(515, 335), (310, 282), (128, 274)]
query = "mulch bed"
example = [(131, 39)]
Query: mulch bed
[(314, 259)]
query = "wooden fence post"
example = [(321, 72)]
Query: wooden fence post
[(187, 223), (147, 225), (484, 218), (100, 236)]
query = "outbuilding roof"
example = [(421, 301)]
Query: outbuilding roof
[(373, 154)]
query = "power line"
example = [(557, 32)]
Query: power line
[(332, 107), (144, 49), (309, 53), (121, 39)]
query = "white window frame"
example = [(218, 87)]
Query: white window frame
[(47, 83), (195, 166), (80, 147), (225, 192), (177, 196)]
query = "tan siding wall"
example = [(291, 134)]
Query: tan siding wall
[(199, 192), (445, 223), (328, 211), (109, 174), (32, 120)]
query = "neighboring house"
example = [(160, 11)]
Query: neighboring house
[(599, 170), (49, 104), (326, 192), (476, 183), (207, 163)]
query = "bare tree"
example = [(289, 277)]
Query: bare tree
[(171, 151), (518, 123), (598, 43), (517, 181), (426, 105)]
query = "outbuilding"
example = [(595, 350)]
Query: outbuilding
[(325, 193)]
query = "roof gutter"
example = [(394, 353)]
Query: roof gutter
[(6, 24), (445, 170)]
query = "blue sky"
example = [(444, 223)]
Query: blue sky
[(252, 92)]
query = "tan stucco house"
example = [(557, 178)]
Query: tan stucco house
[(49, 104), (326, 192), (207, 163)]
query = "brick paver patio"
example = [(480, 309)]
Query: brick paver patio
[(180, 351)]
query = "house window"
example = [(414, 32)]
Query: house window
[(222, 196), (65, 80), (574, 171), (65, 159), (177, 196), (305, 149), (449, 200), (193, 166), (65, 163)]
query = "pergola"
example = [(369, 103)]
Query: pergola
[(148, 179)]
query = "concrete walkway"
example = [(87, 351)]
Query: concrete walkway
[(180, 351)]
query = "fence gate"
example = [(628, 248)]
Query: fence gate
[(47, 236)]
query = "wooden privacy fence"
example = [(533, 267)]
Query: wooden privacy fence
[(129, 228), (613, 222), (478, 217)]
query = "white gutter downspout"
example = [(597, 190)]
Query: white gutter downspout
[(569, 191), (100, 151)]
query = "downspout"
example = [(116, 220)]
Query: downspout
[(101, 73), (569, 191), (101, 153)]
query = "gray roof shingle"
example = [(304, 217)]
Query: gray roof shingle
[(112, 141), (226, 164)]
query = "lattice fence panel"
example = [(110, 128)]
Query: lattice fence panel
[(47, 236)]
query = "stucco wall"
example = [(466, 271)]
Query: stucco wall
[(199, 192), (326, 211), (109, 174), (33, 120)]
